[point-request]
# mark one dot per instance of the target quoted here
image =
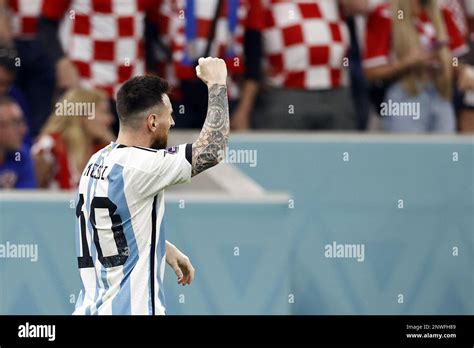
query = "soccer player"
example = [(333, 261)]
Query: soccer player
[(120, 234)]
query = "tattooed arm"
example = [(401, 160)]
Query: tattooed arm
[(208, 150)]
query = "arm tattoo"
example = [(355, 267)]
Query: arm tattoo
[(210, 146)]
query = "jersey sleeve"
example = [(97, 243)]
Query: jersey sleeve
[(377, 38), (457, 44), (166, 168)]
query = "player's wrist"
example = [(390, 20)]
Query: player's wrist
[(210, 84)]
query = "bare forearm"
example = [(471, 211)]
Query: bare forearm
[(385, 72), (354, 7), (209, 148), (248, 94)]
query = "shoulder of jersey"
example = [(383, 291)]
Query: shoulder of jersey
[(141, 158)]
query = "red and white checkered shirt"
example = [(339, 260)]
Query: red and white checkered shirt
[(172, 24), (305, 44), (25, 14), (378, 46), (106, 39)]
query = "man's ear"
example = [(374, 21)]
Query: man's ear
[(152, 121)]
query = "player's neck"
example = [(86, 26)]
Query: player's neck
[(132, 139)]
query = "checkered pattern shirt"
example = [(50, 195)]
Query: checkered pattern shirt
[(305, 44), (226, 44), (25, 15), (106, 39)]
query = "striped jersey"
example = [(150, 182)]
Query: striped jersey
[(120, 237)]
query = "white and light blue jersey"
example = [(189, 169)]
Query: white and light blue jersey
[(120, 237)]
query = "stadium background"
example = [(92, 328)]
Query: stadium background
[(281, 268)]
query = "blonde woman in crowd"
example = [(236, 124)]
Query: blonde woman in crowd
[(78, 127), (412, 44)]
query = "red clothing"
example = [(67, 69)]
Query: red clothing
[(53, 149), (25, 17), (459, 17), (378, 47), (106, 39), (305, 44), (172, 29)]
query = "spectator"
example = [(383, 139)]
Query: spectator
[(105, 42), (465, 101), (16, 166), (359, 85), (69, 138), (415, 51), (8, 73), (305, 44), (35, 75), (229, 29), (365, 106)]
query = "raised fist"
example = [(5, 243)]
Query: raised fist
[(212, 71)]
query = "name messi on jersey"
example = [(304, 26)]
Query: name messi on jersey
[(95, 171)]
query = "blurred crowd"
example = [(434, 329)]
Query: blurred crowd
[(398, 66)]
